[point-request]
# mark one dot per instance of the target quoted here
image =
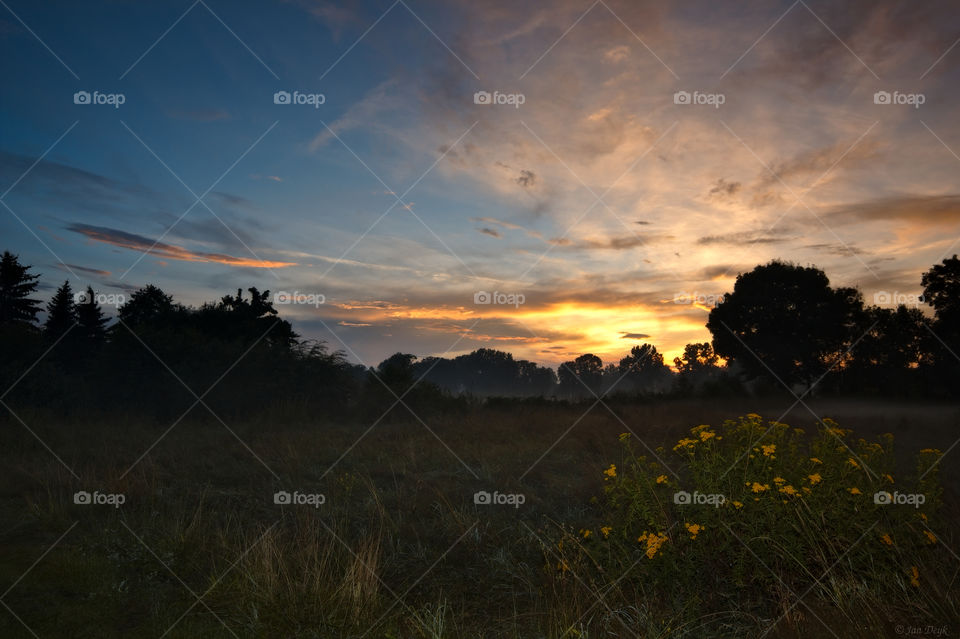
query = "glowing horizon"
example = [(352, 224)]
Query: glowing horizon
[(605, 162)]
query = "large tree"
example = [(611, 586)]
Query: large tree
[(17, 284), (941, 290), (61, 313), (91, 324), (146, 306), (785, 321), (643, 369), (581, 374)]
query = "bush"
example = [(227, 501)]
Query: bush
[(759, 516)]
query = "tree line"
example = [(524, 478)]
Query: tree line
[(782, 327)]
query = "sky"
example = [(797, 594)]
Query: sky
[(548, 179)]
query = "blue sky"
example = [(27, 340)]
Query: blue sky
[(604, 200)]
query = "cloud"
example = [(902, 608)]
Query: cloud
[(921, 211), (621, 243), (724, 189), (633, 335), (491, 220), (843, 250), (135, 242), (82, 269), (231, 199), (490, 232), (843, 154), (743, 237), (526, 178), (718, 271)]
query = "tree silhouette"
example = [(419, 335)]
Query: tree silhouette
[(941, 290), (784, 321), (643, 369), (696, 358), (61, 313), (91, 324), (585, 372), (397, 371), (248, 320), (147, 306), (895, 345), (16, 287), (486, 371)]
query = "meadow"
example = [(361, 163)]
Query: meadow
[(595, 547)]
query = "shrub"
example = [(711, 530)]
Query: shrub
[(751, 517)]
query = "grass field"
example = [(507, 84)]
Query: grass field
[(399, 548)]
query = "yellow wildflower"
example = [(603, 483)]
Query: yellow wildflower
[(738, 505), (769, 449), (888, 477), (816, 460), (654, 542), (707, 434), (789, 490), (753, 416), (623, 436), (930, 451), (779, 481), (757, 487), (586, 533), (815, 478), (853, 462), (923, 517), (887, 539), (662, 479), (610, 472), (686, 442), (854, 491), (693, 529), (605, 531), (930, 536), (914, 577), (563, 566)]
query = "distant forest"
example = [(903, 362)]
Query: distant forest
[(782, 328)]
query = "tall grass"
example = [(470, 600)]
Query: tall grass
[(400, 549)]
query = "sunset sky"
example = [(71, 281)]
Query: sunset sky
[(590, 194)]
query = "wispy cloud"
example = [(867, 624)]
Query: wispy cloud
[(136, 242)]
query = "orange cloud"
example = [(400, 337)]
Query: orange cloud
[(169, 251)]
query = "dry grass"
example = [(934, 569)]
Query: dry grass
[(399, 548)]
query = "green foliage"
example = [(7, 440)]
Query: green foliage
[(758, 513)]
